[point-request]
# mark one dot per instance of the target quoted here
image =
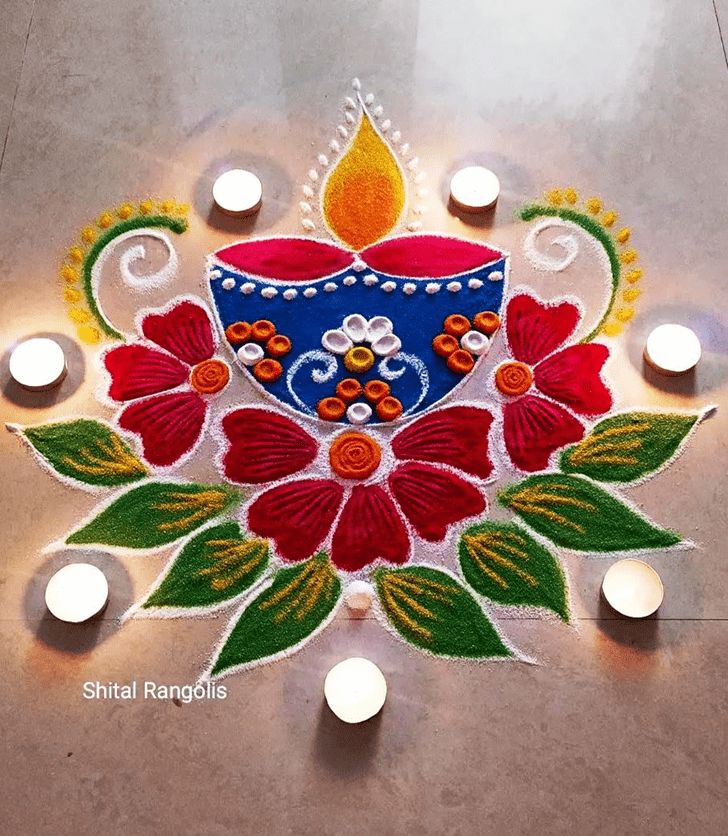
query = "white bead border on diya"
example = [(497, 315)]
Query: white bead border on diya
[(355, 108)]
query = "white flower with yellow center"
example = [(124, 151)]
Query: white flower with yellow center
[(360, 341)]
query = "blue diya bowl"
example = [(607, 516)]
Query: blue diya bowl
[(306, 288)]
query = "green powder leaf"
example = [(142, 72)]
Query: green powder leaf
[(575, 513), (87, 451), (216, 565), (433, 611), (505, 564), (296, 605), (154, 514), (629, 446)]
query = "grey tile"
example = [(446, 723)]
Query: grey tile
[(16, 15)]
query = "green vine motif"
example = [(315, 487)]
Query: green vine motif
[(177, 225), (598, 232)]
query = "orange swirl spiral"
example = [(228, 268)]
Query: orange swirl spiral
[(210, 376), (354, 455), (513, 378)]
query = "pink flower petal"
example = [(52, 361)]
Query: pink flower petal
[(369, 528), (137, 371), (297, 515), (533, 428), (169, 425), (534, 329), (457, 436), (265, 446), (433, 499), (572, 377), (433, 256), (286, 259), (184, 331)]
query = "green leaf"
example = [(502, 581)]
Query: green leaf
[(216, 565), (433, 611), (577, 514), (154, 514), (296, 605), (87, 451), (505, 564), (629, 446)]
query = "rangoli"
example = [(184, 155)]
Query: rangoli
[(363, 463)]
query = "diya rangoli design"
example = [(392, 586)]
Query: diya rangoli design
[(363, 463)]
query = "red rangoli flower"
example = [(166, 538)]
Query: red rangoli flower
[(535, 426), (373, 495), (179, 363)]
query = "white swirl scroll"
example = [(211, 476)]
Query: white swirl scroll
[(567, 242), (136, 253), (318, 375), (413, 362)]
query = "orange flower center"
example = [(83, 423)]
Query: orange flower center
[(210, 376), (513, 378), (354, 455)]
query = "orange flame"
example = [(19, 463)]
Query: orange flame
[(364, 196)]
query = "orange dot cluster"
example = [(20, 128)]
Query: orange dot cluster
[(349, 390), (447, 344), (268, 369)]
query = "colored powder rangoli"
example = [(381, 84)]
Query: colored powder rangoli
[(328, 373)]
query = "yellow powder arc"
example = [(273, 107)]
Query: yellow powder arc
[(364, 196)]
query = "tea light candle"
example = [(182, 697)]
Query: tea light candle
[(474, 189), (77, 592), (38, 363), (238, 192), (672, 349), (633, 588), (355, 690)]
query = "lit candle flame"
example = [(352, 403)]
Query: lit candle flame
[(364, 196)]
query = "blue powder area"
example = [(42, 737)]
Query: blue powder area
[(417, 317)]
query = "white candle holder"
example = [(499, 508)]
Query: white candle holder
[(77, 592), (238, 192), (633, 588), (672, 349), (355, 690), (38, 364), (474, 189)]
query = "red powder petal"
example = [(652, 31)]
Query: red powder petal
[(433, 499), (184, 331), (457, 436), (431, 256), (287, 259), (572, 377), (297, 515), (137, 371), (535, 329), (369, 528), (265, 446), (169, 425), (533, 428)]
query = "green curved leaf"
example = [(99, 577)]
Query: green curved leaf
[(433, 611), (505, 564), (154, 514), (283, 616), (218, 564), (575, 513), (87, 451), (628, 446)]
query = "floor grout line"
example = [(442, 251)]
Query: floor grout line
[(720, 34), (17, 86)]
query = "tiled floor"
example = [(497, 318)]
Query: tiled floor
[(621, 729)]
